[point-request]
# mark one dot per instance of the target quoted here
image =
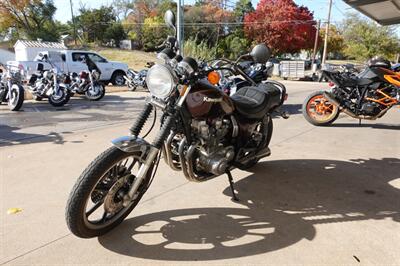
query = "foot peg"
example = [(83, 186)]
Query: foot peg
[(231, 184)]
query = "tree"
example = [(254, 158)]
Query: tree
[(153, 34), (123, 8), (115, 32), (32, 19), (335, 41), (365, 39), (94, 22), (242, 8), (282, 25)]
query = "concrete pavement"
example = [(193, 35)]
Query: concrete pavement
[(325, 196)]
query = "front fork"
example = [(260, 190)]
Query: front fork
[(151, 151)]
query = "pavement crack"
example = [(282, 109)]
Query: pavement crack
[(35, 249)]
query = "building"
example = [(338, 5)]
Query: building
[(27, 50), (5, 56)]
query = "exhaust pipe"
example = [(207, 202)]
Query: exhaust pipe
[(331, 98)]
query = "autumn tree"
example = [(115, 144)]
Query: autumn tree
[(282, 25), (32, 19), (336, 43)]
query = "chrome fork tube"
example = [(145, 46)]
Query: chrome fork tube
[(151, 156)]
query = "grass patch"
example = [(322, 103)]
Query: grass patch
[(135, 59)]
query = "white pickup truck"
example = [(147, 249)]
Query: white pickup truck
[(69, 61)]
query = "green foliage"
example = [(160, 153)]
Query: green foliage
[(200, 51), (233, 46), (30, 19), (116, 33), (242, 7), (365, 39), (153, 34), (336, 42), (93, 22)]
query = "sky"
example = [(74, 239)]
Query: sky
[(319, 7)]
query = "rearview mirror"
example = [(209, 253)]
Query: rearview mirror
[(169, 19), (260, 53)]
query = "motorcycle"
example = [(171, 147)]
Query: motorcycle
[(367, 95), (51, 84), (204, 133), (11, 90), (136, 79), (230, 83), (87, 82)]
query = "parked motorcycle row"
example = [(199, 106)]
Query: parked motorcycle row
[(53, 84)]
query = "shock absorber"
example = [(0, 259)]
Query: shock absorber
[(141, 120), (164, 132)]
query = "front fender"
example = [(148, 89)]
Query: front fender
[(131, 144)]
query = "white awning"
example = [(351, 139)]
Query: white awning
[(385, 12)]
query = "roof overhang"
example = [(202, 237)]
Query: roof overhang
[(385, 12)]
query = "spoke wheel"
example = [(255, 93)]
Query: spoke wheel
[(319, 111), (16, 97), (95, 205)]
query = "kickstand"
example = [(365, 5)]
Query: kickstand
[(359, 122), (234, 197)]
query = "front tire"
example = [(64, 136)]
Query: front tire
[(17, 97), (95, 92), (103, 184), (60, 99), (318, 110)]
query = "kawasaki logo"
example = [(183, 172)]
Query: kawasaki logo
[(212, 100)]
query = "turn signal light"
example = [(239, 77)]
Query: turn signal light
[(213, 77)]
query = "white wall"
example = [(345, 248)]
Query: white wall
[(6, 56), (29, 53)]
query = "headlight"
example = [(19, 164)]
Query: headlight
[(160, 81)]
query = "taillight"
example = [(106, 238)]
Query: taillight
[(331, 84)]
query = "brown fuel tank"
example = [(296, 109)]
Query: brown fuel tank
[(207, 101)]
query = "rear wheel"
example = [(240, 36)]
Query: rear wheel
[(16, 97), (118, 78), (318, 110), (95, 204)]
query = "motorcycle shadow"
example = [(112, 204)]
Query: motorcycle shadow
[(280, 204)]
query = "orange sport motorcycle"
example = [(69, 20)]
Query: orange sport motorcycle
[(367, 95), (204, 133)]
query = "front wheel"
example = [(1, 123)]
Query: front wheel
[(60, 98), (16, 97), (95, 205), (95, 92), (318, 110)]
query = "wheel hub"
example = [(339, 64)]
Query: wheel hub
[(113, 202)]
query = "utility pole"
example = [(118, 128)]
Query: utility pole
[(327, 32), (73, 20), (180, 24), (316, 42)]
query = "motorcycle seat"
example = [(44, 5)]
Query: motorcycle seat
[(255, 102)]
